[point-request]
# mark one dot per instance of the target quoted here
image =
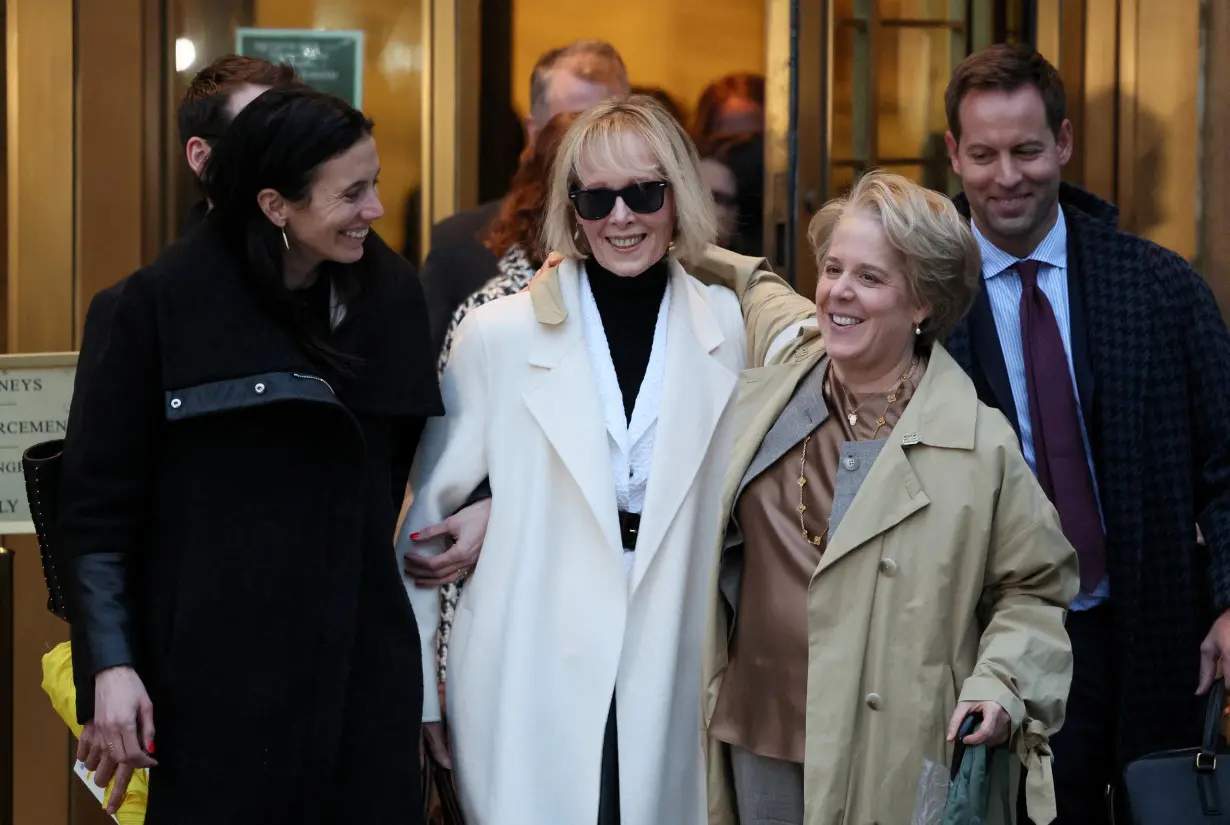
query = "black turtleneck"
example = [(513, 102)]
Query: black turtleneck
[(629, 310)]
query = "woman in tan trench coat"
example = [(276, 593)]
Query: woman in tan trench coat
[(891, 561)]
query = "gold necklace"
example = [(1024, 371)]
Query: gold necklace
[(802, 508), (891, 399)]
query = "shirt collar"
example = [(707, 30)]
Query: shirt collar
[(1053, 251)]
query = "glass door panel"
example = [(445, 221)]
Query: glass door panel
[(892, 61), (392, 84), (876, 98)]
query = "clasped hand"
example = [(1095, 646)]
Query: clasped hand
[(120, 738)]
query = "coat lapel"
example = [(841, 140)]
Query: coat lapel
[(564, 401), (696, 391), (803, 413), (890, 494), (943, 413), (989, 356), (1079, 329)]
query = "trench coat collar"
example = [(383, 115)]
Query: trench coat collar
[(944, 408), (943, 413)]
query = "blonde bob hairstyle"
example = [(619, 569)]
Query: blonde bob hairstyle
[(943, 267), (598, 136)]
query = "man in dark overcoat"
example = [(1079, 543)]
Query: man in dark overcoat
[(1108, 355)]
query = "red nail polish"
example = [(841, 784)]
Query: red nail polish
[(151, 747), (415, 536)]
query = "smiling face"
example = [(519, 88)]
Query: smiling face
[(333, 221), (1010, 163), (864, 304), (625, 242)]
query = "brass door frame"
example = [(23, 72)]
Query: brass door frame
[(41, 282), (1215, 177), (450, 110), (797, 118)]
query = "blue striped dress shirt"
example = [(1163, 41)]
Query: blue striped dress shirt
[(1003, 287)]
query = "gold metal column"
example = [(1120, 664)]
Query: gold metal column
[(1215, 236), (40, 91), (450, 110), (1159, 78)]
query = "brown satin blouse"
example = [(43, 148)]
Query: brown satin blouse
[(762, 706)]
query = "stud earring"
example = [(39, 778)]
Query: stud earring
[(285, 240), (917, 329)]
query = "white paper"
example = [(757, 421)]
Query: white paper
[(87, 776)]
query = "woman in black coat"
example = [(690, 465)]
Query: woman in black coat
[(245, 413)]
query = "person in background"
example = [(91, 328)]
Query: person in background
[(568, 79), (598, 402), (1109, 357), (243, 421), (516, 240), (730, 114), (665, 98), (733, 105), (216, 94), (892, 565), (720, 180)]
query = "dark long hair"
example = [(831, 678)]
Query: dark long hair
[(521, 215), (278, 142)]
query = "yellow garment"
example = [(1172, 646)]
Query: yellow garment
[(58, 685)]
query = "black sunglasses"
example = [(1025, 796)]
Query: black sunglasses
[(596, 204)]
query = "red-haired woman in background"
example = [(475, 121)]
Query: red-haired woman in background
[(732, 105)]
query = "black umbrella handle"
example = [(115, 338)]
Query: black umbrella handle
[(971, 723)]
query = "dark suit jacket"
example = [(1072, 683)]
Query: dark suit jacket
[(456, 266), (1152, 362)]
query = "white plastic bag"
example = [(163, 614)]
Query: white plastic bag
[(932, 796)]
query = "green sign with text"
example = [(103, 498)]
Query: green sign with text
[(330, 61)]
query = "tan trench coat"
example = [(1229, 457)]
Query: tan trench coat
[(947, 580)]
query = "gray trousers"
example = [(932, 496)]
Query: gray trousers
[(767, 791)]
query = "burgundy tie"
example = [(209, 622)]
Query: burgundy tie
[(1059, 451)]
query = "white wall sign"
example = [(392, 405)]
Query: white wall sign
[(35, 391)]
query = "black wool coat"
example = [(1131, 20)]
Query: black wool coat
[(1151, 355), (227, 511)]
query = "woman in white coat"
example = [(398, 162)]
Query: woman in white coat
[(598, 403)]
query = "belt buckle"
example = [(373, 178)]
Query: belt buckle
[(629, 528)]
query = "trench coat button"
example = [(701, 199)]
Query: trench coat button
[(260, 388), (874, 701), (850, 463), (888, 567), (176, 403)]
